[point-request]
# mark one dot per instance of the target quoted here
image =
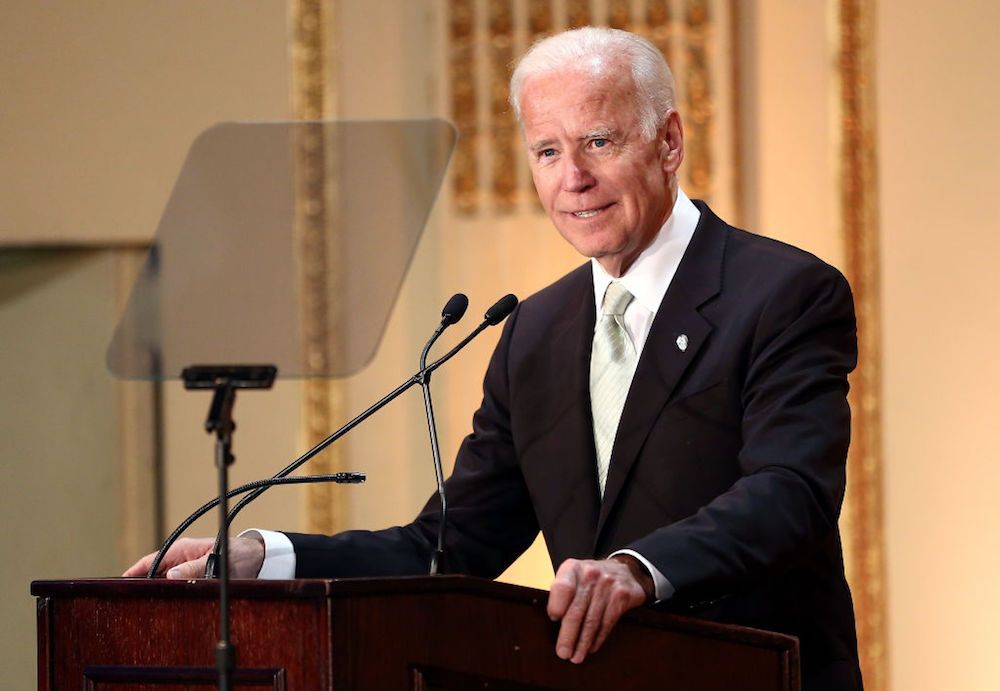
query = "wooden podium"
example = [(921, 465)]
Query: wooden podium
[(445, 633)]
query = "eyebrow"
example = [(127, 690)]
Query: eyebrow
[(600, 133), (539, 146)]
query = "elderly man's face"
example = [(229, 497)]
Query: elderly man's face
[(606, 189)]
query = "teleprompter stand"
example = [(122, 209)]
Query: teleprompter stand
[(263, 219), (224, 380)]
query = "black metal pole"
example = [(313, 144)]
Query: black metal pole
[(222, 421), (224, 380)]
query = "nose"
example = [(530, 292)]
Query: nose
[(576, 176)]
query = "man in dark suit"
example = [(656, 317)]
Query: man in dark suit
[(672, 415)]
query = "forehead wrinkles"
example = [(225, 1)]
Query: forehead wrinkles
[(578, 103)]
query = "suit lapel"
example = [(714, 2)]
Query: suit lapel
[(574, 488), (663, 361)]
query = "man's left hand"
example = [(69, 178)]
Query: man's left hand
[(590, 596)]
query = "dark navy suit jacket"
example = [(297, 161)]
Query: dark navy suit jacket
[(728, 469)]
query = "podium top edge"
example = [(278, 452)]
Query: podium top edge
[(297, 588), (345, 588)]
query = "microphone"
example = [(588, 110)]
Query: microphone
[(494, 315), (501, 309), (453, 310)]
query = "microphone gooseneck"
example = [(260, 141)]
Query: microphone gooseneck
[(453, 311), (494, 315), (456, 305), (349, 478)]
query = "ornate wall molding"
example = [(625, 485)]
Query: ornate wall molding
[(620, 15), (503, 130), (312, 22), (859, 218), (658, 26), (578, 13), (462, 78), (698, 107), (485, 178)]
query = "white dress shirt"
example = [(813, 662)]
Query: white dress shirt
[(647, 279)]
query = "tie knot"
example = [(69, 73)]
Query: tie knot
[(616, 299)]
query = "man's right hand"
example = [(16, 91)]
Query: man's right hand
[(186, 558)]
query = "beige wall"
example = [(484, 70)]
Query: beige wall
[(102, 98), (939, 169), (939, 161), (790, 125), (60, 511)]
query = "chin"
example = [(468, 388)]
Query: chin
[(590, 244), (596, 250)]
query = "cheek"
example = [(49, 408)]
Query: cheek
[(543, 187)]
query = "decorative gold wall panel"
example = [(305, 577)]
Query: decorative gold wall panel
[(503, 129), (540, 19), (577, 13), (681, 29), (311, 23), (859, 218), (658, 25), (462, 78), (698, 106), (620, 15)]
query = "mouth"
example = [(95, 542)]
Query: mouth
[(590, 213)]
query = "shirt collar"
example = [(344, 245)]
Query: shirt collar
[(650, 274)]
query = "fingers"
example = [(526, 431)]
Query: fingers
[(589, 597), (617, 606), (189, 569), (575, 613), (141, 567), (563, 589), (181, 552), (593, 605)]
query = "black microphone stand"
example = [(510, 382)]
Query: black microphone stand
[(437, 559), (224, 380), (494, 315)]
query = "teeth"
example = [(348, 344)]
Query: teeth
[(585, 214)]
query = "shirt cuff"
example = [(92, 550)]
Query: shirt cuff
[(279, 555), (662, 588)]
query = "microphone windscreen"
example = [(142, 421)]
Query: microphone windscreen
[(454, 309), (499, 311)]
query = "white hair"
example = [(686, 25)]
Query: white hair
[(599, 51)]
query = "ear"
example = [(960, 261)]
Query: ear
[(672, 142)]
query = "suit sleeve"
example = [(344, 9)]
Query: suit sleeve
[(795, 432), (490, 517)]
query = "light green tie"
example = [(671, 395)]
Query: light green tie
[(612, 364)]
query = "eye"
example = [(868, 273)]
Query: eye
[(600, 142), (546, 153)]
